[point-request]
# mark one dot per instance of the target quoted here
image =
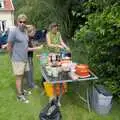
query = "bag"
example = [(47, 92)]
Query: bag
[(51, 112)]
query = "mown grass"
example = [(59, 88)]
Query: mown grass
[(10, 109)]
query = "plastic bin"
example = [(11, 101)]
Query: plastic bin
[(54, 89), (49, 89), (103, 110), (101, 100)]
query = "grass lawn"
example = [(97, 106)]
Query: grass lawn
[(11, 109)]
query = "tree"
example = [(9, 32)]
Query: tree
[(43, 12), (100, 37)]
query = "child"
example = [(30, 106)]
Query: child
[(29, 74)]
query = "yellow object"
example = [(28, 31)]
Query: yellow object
[(54, 89), (49, 89)]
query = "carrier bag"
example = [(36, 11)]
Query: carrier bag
[(50, 112)]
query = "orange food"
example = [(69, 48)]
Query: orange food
[(82, 70)]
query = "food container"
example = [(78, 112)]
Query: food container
[(55, 71), (82, 70), (72, 67), (73, 75), (64, 53), (54, 59), (49, 70), (65, 64)]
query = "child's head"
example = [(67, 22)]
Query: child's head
[(31, 30)]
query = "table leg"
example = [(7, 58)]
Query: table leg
[(57, 97), (88, 100), (60, 96)]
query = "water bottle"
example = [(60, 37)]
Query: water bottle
[(62, 53)]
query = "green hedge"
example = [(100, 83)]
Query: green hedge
[(100, 40)]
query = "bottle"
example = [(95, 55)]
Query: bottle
[(62, 53)]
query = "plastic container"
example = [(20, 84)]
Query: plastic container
[(82, 70), (64, 53), (54, 89), (49, 89), (103, 110), (43, 58), (101, 100)]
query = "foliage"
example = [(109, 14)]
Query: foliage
[(67, 13), (101, 40), (97, 41)]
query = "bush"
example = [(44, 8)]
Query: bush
[(101, 40)]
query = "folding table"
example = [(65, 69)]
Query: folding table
[(66, 79)]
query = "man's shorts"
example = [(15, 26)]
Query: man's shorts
[(19, 68)]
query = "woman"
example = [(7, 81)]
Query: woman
[(29, 74), (54, 39), (55, 44)]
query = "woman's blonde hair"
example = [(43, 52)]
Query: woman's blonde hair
[(31, 30)]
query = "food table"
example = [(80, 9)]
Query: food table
[(64, 77)]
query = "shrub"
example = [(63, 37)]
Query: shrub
[(101, 40)]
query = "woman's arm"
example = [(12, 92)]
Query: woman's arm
[(35, 48), (63, 44)]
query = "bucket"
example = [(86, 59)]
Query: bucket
[(101, 100), (54, 89), (82, 70), (49, 89)]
